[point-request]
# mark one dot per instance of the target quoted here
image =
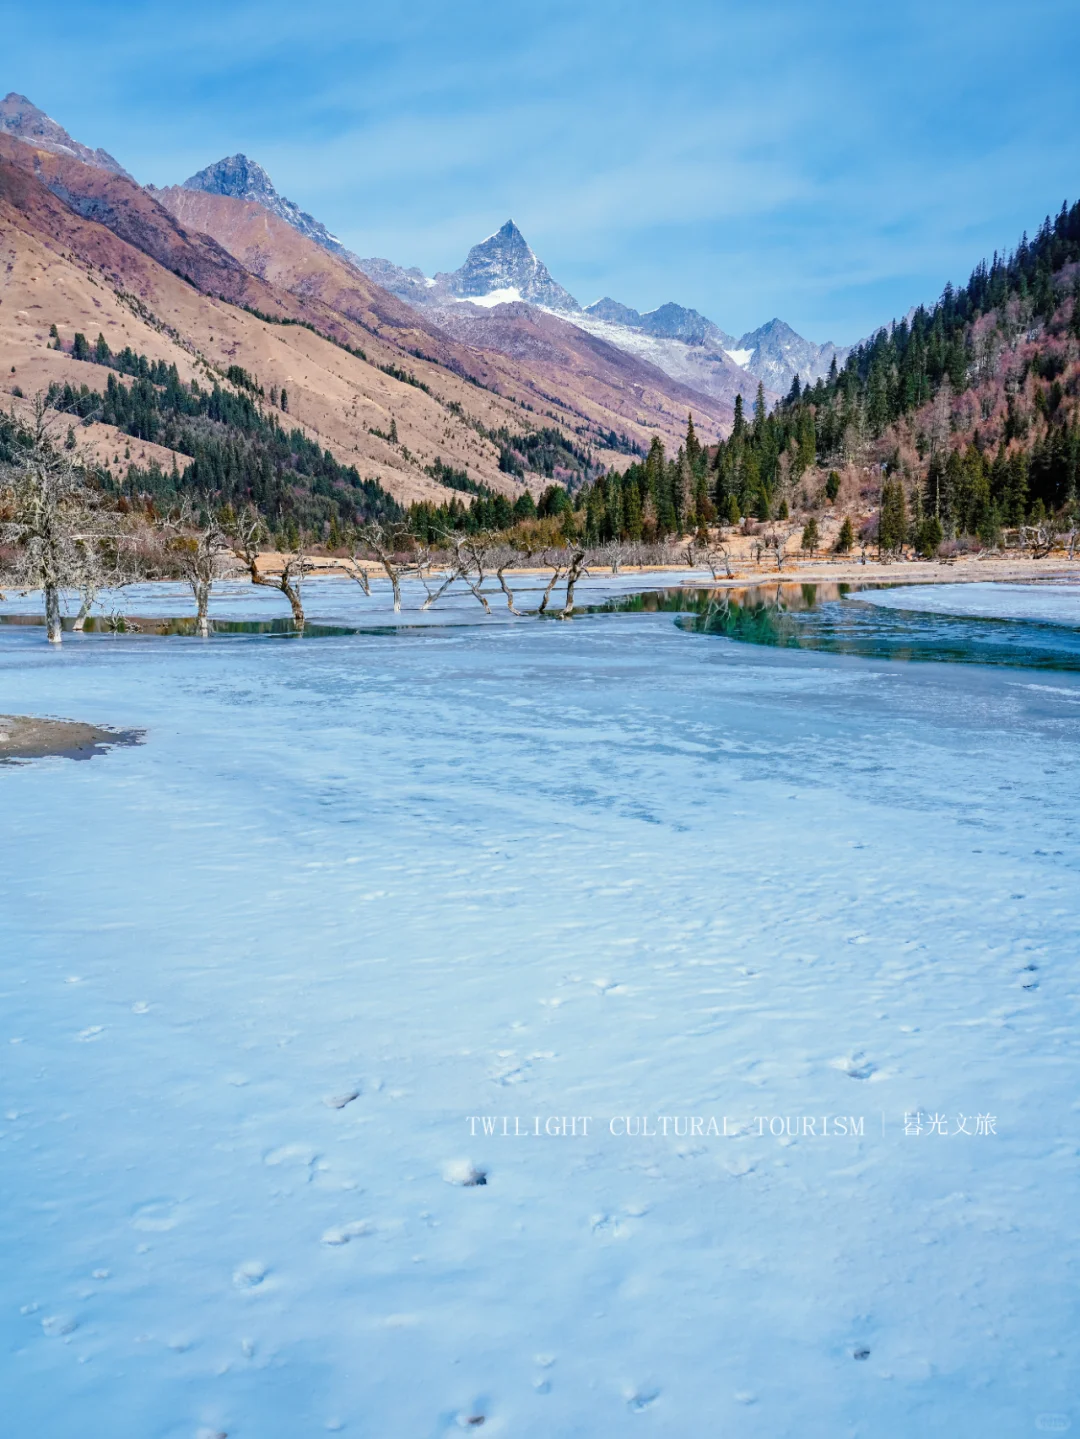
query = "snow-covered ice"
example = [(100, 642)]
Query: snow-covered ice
[(305, 998), (1053, 603)]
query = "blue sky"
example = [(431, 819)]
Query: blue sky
[(828, 163)]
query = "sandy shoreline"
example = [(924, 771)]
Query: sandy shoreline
[(29, 737), (846, 569)]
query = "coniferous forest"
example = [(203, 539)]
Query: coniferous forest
[(960, 420)]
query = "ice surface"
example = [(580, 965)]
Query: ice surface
[(1052, 603), (605, 867)]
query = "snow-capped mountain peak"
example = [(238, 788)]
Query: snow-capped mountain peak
[(504, 265)]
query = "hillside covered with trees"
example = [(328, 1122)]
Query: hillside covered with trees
[(960, 422)]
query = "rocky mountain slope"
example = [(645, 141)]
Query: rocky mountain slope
[(544, 365), (237, 298), (776, 354), (21, 118), (687, 346), (503, 269), (243, 179)]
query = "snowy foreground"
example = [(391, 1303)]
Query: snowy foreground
[(266, 976)]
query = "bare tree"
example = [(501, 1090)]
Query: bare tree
[(354, 568), (106, 565), (55, 521), (575, 569), (197, 546), (387, 542), (614, 554), (715, 556), (552, 559), (777, 544), (505, 559), (1040, 537), (250, 534)]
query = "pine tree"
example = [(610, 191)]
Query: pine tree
[(739, 424), (892, 519), (846, 538), (684, 493), (928, 536), (759, 410), (693, 446)]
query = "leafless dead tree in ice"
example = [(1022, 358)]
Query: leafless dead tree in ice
[(574, 570), (55, 522), (389, 542), (197, 545), (248, 537)]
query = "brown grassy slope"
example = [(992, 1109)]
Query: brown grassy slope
[(581, 383), (58, 267), (552, 348)]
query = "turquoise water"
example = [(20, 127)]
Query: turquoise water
[(897, 624)]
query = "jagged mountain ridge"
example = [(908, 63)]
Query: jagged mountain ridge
[(21, 118), (682, 342), (505, 266), (504, 269), (216, 284), (244, 179), (773, 353), (777, 354)]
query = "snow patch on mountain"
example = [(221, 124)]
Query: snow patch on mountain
[(509, 296), (505, 262)]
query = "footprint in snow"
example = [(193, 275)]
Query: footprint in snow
[(339, 1101), (249, 1275), (342, 1233), (57, 1325), (855, 1066), (464, 1173), (607, 1226), (509, 1072), (95, 1031), (157, 1216), (300, 1155), (640, 1399)]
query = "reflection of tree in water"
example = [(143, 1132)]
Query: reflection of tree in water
[(818, 617)]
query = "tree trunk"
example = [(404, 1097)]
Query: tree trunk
[(547, 593), (202, 602), (292, 594), (53, 628)]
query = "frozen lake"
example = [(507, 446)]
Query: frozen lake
[(265, 974)]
